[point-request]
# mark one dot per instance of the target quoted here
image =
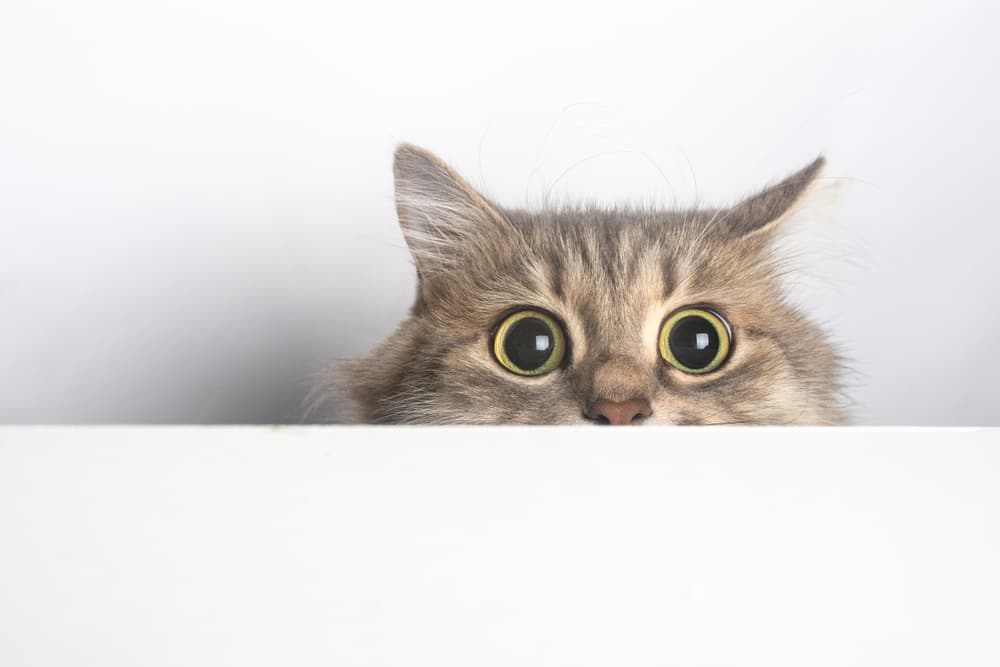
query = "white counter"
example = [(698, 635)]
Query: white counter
[(479, 547)]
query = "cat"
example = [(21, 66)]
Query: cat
[(591, 315)]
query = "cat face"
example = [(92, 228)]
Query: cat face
[(593, 316)]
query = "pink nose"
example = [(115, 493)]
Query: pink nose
[(620, 413)]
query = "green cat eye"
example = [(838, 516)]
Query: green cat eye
[(529, 342), (695, 340)]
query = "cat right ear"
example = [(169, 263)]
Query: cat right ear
[(765, 211), (438, 211)]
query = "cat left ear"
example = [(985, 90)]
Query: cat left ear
[(438, 211), (766, 211)]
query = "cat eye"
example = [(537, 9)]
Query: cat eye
[(695, 340), (529, 342)]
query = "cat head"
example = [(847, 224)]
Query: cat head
[(593, 315)]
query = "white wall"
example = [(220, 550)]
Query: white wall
[(195, 197)]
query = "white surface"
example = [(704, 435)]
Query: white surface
[(195, 196), (499, 547)]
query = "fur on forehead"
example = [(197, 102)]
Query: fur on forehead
[(446, 222), (474, 255)]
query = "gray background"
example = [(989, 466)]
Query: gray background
[(196, 206)]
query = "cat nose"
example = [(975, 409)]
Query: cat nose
[(620, 413)]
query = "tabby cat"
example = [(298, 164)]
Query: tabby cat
[(592, 315)]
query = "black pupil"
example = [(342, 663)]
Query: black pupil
[(529, 343), (694, 341)]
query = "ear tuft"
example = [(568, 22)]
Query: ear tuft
[(767, 210)]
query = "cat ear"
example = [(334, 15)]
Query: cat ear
[(438, 211), (765, 211)]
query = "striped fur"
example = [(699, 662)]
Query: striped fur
[(611, 276)]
